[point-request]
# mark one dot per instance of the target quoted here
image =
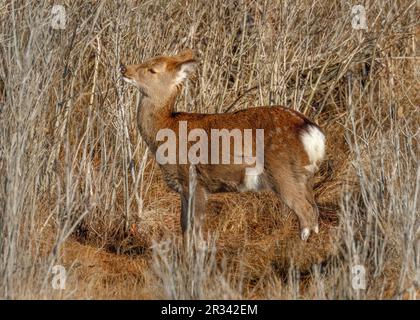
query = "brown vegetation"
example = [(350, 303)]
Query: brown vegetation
[(78, 187)]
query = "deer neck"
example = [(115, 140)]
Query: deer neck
[(154, 114)]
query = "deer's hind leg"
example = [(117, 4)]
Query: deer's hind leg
[(311, 198), (294, 187)]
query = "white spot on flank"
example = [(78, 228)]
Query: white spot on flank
[(314, 144), (251, 182)]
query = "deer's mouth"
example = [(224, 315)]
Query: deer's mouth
[(134, 83), (130, 81)]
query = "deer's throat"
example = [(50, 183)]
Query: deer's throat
[(153, 116)]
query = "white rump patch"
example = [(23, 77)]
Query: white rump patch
[(314, 144)]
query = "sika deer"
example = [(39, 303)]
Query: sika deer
[(292, 145)]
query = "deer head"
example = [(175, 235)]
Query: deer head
[(160, 77)]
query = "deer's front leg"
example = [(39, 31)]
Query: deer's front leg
[(192, 209)]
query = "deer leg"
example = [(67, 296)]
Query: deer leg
[(191, 218), (184, 212), (311, 198), (297, 196)]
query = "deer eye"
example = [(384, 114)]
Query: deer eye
[(151, 70)]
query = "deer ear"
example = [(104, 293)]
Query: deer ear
[(185, 55), (184, 69)]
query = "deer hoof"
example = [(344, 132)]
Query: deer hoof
[(305, 234)]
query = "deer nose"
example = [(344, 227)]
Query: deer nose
[(123, 69)]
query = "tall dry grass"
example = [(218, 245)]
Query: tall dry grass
[(79, 189)]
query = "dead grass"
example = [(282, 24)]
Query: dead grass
[(78, 187)]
